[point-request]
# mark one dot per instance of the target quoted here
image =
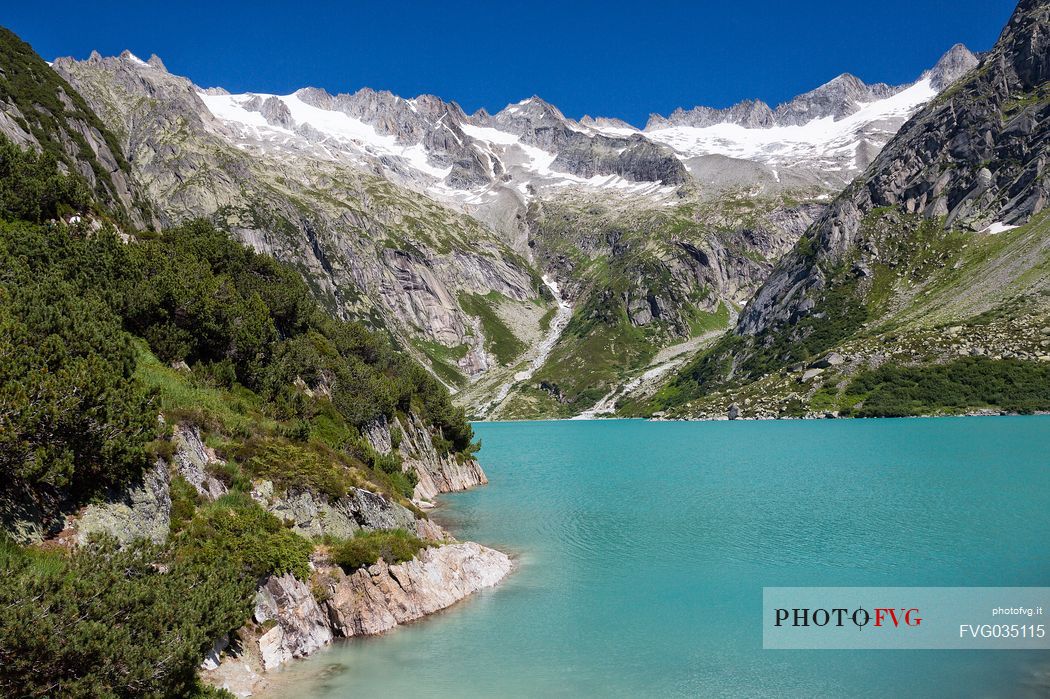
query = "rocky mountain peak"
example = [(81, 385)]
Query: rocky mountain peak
[(127, 55), (315, 97), (837, 98), (751, 114), (604, 123), (955, 63), (533, 109), (973, 157), (155, 62)]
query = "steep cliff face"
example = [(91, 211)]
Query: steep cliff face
[(935, 255), (976, 156), (39, 109)]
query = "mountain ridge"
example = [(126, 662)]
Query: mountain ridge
[(934, 261), (500, 182)]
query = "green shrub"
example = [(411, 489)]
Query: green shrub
[(184, 500), (254, 543), (294, 465), (73, 417), (103, 622), (366, 548), (964, 384), (33, 189), (83, 410)]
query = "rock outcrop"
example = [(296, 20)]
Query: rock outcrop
[(376, 599), (298, 624), (437, 473), (192, 459), (314, 515), (290, 622), (140, 511)]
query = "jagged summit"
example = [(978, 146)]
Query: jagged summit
[(534, 107), (954, 64), (431, 144), (974, 159), (752, 114), (840, 97)]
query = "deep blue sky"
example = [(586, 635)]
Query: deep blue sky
[(611, 58)]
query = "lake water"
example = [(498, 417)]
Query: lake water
[(643, 548)]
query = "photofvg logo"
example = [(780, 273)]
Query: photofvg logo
[(840, 616), (905, 617)]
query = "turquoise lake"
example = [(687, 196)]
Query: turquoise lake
[(643, 548)]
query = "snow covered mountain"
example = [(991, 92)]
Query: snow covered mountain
[(445, 227), (823, 137)]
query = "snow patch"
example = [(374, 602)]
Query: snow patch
[(334, 124), (998, 227), (779, 144)]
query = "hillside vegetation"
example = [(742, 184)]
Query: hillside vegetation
[(98, 338)]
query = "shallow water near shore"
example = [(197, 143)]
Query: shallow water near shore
[(643, 548)]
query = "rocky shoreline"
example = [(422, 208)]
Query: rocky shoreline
[(294, 620), (990, 412)]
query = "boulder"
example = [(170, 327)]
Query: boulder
[(831, 360), (300, 626), (810, 374)]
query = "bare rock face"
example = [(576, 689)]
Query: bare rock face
[(141, 511), (300, 626), (191, 459), (314, 515), (438, 473), (378, 598), (837, 98), (752, 114)]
